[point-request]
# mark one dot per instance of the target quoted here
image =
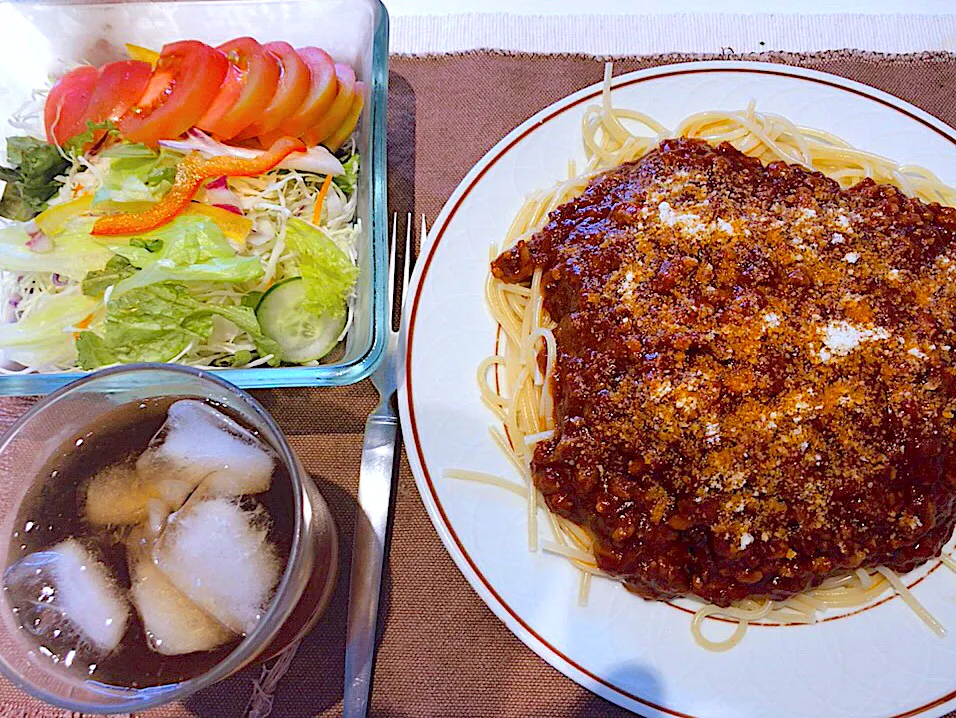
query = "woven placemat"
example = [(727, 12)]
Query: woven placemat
[(442, 652)]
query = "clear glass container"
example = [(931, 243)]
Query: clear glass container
[(300, 597), (42, 36)]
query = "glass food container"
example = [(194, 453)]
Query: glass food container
[(45, 38)]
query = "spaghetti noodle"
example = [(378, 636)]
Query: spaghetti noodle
[(516, 386)]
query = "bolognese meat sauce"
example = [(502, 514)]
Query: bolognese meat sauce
[(755, 386)]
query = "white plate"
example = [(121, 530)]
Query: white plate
[(640, 654)]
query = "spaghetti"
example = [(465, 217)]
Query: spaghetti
[(516, 386)]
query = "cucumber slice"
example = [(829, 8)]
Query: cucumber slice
[(301, 335)]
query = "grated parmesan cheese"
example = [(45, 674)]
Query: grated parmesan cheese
[(672, 218), (841, 338)]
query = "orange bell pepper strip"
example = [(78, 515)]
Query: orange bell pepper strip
[(191, 173)]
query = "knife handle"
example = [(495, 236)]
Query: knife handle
[(368, 558)]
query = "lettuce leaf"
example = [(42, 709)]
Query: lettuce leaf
[(238, 359), (74, 251), (42, 337), (96, 283), (328, 273), (78, 143), (31, 179), (157, 322), (245, 319), (136, 174), (190, 248), (349, 177), (251, 299), (150, 324), (92, 352)]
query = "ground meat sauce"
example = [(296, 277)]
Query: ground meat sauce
[(755, 385)]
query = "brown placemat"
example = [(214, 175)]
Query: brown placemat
[(442, 652)]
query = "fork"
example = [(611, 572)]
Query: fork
[(375, 501)]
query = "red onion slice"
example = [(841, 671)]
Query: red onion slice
[(39, 242)]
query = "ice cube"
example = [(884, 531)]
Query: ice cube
[(120, 496), (219, 556), (116, 497), (172, 492), (68, 598), (156, 514), (199, 445), (174, 624)]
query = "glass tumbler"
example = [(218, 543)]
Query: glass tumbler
[(299, 599)]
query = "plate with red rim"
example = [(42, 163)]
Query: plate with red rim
[(876, 660)]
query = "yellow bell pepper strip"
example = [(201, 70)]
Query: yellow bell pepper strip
[(320, 199), (51, 221), (191, 173), (144, 54), (234, 226), (111, 207)]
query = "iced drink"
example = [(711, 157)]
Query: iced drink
[(151, 543)]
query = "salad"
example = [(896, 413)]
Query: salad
[(193, 205)]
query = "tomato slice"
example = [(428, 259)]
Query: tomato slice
[(323, 87), (119, 86), (254, 75), (228, 95), (338, 110), (187, 77), (64, 114), (348, 125), (291, 92)]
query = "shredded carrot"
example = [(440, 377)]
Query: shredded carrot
[(83, 325), (320, 199)]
